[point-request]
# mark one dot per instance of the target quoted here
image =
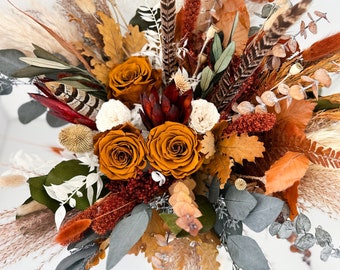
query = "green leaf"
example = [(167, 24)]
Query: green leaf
[(54, 121), (225, 227), (265, 212), (40, 62), (30, 111), (6, 86), (42, 53), (217, 46), (222, 62), (235, 23), (207, 76), (323, 237), (170, 220), (78, 259), (246, 253), (39, 194), (302, 224), (214, 190), (9, 61), (31, 71), (239, 203), (126, 233), (208, 217), (66, 170)]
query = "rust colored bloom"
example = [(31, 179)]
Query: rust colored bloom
[(130, 79), (173, 149), (121, 152), (170, 106)]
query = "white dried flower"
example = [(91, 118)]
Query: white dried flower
[(181, 81), (204, 116), (111, 114)]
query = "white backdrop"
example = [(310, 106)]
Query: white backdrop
[(37, 137)]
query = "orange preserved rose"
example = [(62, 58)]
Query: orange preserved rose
[(131, 78), (121, 152), (173, 149)]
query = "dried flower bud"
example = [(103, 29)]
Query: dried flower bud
[(181, 82), (245, 107), (295, 69), (202, 58), (77, 138), (297, 92), (269, 98), (322, 76), (240, 184), (212, 31)]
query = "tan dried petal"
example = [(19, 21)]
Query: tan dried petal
[(307, 79), (279, 51), (297, 92), (208, 145), (312, 27), (276, 62), (77, 138), (245, 107), (321, 15), (292, 45), (303, 32), (315, 90), (269, 98), (283, 89), (322, 76)]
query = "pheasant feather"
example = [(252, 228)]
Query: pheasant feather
[(168, 17), (228, 87)]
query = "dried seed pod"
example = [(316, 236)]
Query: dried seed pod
[(240, 184), (295, 69), (77, 138)]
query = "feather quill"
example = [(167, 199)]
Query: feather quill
[(228, 87), (168, 17)]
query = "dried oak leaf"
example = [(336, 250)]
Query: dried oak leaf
[(225, 17), (286, 171), (134, 40), (208, 145), (242, 147), (112, 38)]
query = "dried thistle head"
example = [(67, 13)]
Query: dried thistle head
[(77, 138), (240, 184), (181, 82)]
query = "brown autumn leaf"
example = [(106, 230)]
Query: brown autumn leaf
[(242, 147), (286, 171), (101, 72), (112, 38), (208, 145), (225, 17), (290, 195), (134, 40)]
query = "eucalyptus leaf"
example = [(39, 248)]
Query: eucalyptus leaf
[(6, 86), (30, 111), (126, 233), (207, 76), (224, 227), (305, 242), (286, 229), (9, 61), (79, 259), (170, 221), (214, 190), (274, 228), (239, 203), (265, 212), (326, 253), (302, 223), (208, 217), (225, 58), (54, 121), (323, 237), (246, 253)]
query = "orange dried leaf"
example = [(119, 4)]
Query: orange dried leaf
[(112, 38), (134, 40), (208, 145), (72, 231), (286, 171), (179, 197), (291, 195), (242, 147)]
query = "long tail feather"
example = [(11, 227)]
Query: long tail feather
[(230, 82), (168, 17)]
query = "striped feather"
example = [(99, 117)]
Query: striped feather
[(168, 17), (228, 88), (80, 101)]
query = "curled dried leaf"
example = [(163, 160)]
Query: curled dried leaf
[(303, 32), (321, 15)]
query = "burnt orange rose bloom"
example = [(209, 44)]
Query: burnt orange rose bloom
[(121, 152), (131, 78), (173, 149)]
